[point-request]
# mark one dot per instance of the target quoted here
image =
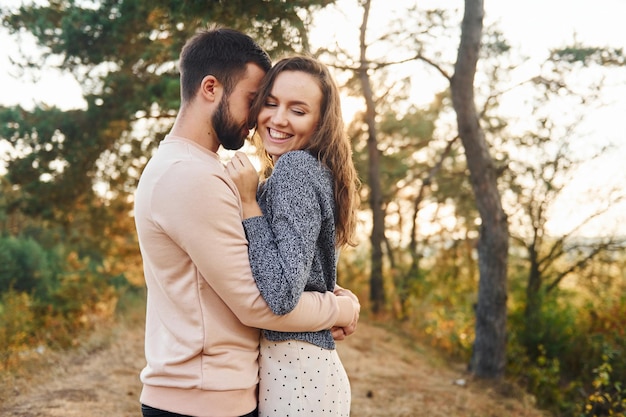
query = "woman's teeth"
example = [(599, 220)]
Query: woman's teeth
[(275, 134)]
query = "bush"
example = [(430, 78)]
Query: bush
[(70, 304), (16, 325), (609, 395), (82, 300), (25, 266)]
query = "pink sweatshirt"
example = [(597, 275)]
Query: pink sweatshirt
[(203, 306)]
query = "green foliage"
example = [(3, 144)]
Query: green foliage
[(50, 294), (440, 306), (590, 55), (61, 271), (17, 321), (80, 300), (83, 300), (550, 329), (606, 325), (353, 273), (538, 349), (25, 266), (556, 353), (448, 328), (124, 55), (404, 143), (59, 152), (609, 393), (542, 375), (560, 357)]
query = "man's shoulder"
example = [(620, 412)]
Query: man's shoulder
[(179, 172), (185, 160)]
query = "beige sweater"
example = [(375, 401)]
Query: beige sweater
[(203, 307)]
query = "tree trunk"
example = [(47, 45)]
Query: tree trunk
[(534, 300), (489, 356), (534, 285), (377, 293)]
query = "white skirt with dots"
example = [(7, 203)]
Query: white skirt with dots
[(301, 379)]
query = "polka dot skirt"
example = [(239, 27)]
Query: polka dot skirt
[(300, 379)]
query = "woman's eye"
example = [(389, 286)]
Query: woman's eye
[(270, 104)]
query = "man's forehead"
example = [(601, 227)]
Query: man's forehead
[(252, 78)]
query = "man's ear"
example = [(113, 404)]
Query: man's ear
[(210, 88)]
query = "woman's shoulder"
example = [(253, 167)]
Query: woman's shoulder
[(300, 166), (297, 156), (300, 161)]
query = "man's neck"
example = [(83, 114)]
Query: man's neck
[(190, 126)]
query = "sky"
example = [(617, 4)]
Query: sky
[(536, 25), (533, 27), (530, 26)]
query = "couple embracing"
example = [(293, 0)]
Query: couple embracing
[(243, 309)]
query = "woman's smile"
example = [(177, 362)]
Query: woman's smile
[(290, 114), (277, 135)]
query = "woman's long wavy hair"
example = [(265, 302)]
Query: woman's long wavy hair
[(329, 143)]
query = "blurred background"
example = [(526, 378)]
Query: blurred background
[(89, 88)]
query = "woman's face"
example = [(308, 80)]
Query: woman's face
[(290, 115)]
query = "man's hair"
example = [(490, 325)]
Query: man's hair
[(220, 52)]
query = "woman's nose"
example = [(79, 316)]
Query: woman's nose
[(279, 116)]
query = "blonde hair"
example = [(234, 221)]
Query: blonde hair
[(329, 143)]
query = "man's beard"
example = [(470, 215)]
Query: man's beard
[(230, 134)]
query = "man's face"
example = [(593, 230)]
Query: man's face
[(230, 120)]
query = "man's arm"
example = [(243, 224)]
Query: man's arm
[(207, 225), (340, 333)]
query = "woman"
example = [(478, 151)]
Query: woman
[(303, 212)]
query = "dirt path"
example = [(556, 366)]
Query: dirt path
[(389, 379)]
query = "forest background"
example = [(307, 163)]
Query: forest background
[(499, 242)]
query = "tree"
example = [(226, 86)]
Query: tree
[(124, 56), (377, 236), (536, 184), (489, 355), (386, 138)]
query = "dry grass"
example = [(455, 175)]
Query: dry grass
[(389, 379)]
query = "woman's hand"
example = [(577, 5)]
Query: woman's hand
[(245, 177)]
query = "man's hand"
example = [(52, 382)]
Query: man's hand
[(340, 333)]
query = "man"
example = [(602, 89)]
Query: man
[(203, 307)]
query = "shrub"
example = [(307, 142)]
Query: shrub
[(25, 266), (83, 299), (609, 395), (16, 325)]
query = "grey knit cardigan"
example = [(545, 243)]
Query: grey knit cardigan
[(292, 246)]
